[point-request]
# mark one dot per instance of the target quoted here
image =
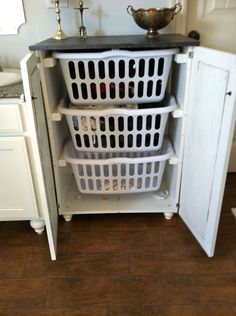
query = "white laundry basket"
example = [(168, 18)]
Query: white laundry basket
[(111, 173), (118, 129), (116, 76)]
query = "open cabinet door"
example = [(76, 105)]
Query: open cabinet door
[(41, 152), (209, 130)]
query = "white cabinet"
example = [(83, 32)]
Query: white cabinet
[(17, 195), (210, 120), (17, 199), (10, 118), (200, 130)]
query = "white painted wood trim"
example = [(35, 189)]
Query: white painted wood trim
[(12, 16), (52, 87), (18, 194), (181, 18), (10, 118), (212, 10), (28, 63), (206, 235), (149, 202)]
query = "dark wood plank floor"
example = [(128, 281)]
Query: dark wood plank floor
[(119, 265)]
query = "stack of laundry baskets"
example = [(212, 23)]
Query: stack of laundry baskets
[(117, 119)]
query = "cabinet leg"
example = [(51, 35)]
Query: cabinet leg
[(38, 225), (68, 217), (168, 215)]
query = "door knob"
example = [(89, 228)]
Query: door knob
[(194, 34)]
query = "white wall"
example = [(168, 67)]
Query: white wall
[(107, 17)]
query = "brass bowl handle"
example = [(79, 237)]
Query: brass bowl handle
[(177, 8), (130, 9)]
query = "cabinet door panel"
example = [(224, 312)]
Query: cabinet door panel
[(210, 120), (10, 118), (40, 147), (17, 198)]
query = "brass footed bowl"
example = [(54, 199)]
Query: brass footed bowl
[(153, 19)]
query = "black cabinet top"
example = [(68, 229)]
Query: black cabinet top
[(115, 42)]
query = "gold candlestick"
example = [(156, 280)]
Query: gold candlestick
[(59, 35), (82, 28)]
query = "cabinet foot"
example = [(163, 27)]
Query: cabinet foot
[(38, 225), (168, 215), (67, 218)]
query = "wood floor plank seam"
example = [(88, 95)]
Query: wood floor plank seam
[(129, 265)]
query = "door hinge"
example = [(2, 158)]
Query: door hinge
[(191, 54), (34, 98), (178, 205)]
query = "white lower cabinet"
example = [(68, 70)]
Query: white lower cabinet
[(200, 131), (17, 195), (17, 198)]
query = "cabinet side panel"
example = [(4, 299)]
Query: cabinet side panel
[(173, 171), (180, 79), (53, 91)]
